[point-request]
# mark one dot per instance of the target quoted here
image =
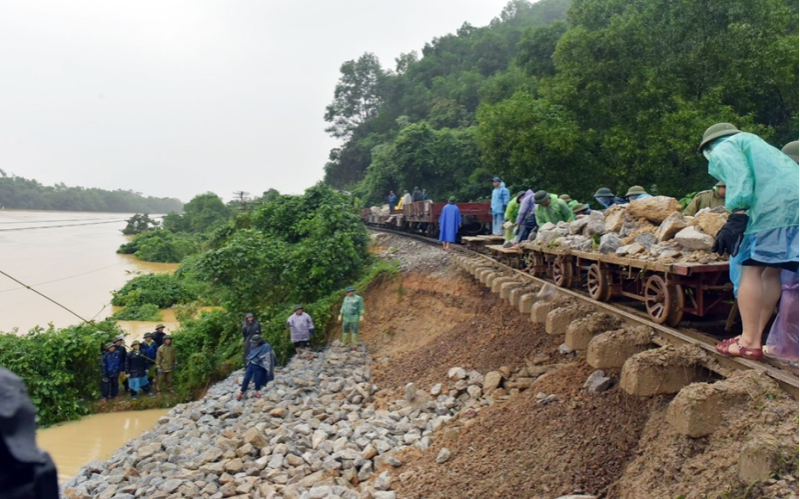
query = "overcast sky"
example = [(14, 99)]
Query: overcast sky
[(175, 98)]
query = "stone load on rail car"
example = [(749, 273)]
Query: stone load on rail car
[(650, 229)]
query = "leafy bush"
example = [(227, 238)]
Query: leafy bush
[(146, 312), (160, 246), (161, 290), (60, 367), (140, 223), (186, 311)]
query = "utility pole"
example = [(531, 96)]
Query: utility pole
[(242, 197)]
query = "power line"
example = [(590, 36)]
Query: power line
[(59, 226), (44, 296), (62, 278)]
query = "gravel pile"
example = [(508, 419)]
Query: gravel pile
[(413, 256)]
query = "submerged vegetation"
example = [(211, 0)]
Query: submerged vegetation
[(292, 249)]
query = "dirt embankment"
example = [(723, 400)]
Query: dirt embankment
[(607, 445)]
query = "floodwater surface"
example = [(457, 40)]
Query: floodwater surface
[(69, 257), (73, 444)]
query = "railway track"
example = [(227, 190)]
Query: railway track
[(786, 377)]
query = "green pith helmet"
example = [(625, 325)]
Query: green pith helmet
[(135, 342), (298, 307), (148, 335), (160, 326), (720, 184), (167, 337), (635, 191), (350, 289), (540, 196), (451, 200), (604, 192), (108, 345), (579, 208), (716, 131), (790, 150), (520, 193), (256, 338), (565, 197)]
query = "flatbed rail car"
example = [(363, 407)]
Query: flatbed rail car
[(668, 290), (422, 217)]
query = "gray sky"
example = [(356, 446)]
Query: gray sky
[(175, 98)]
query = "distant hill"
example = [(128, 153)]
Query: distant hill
[(22, 193)]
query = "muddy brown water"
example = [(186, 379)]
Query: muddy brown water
[(73, 444), (75, 264)]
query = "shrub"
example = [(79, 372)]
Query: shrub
[(160, 245), (162, 290), (60, 367), (146, 312)]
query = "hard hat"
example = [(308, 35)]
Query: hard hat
[(635, 191), (717, 131), (790, 150), (540, 196), (604, 192)]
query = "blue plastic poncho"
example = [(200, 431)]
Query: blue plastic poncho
[(763, 181), (500, 199), (449, 221)]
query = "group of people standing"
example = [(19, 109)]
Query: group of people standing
[(149, 362), (259, 356), (413, 197)]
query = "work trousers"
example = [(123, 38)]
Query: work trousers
[(497, 223), (110, 388), (350, 332), (256, 373), (164, 381), (526, 227)]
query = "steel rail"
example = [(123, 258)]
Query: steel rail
[(665, 335)]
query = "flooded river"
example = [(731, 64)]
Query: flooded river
[(71, 257), (75, 443), (68, 256)]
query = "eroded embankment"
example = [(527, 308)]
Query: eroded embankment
[(459, 396)]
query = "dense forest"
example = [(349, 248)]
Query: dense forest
[(567, 96), (24, 194)]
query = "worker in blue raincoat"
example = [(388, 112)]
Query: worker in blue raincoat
[(761, 233), (449, 222), (500, 200)]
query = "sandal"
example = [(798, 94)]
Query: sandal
[(746, 353), (729, 341)]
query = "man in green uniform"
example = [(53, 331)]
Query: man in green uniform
[(512, 210), (706, 199), (549, 208), (166, 360), (350, 315), (570, 202)]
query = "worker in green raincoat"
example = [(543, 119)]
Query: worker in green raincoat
[(761, 234), (350, 315), (512, 210), (550, 208)]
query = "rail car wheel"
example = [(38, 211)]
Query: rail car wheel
[(597, 282), (664, 301), (562, 273)]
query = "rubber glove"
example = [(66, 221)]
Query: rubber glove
[(730, 235)]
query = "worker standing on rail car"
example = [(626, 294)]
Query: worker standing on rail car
[(500, 200), (550, 208), (761, 233), (424, 194), (350, 315), (449, 222), (392, 198), (416, 195), (406, 198), (706, 199)]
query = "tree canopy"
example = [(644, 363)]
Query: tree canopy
[(25, 194), (569, 97)]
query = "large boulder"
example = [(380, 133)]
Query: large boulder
[(710, 221), (671, 226), (609, 243), (615, 218), (656, 209), (694, 240)]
